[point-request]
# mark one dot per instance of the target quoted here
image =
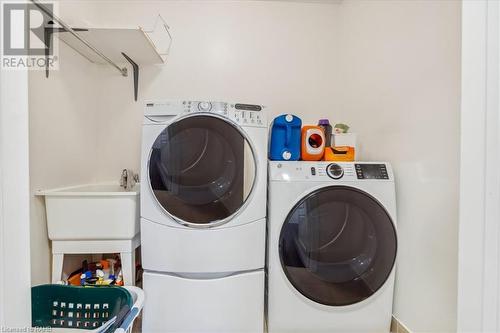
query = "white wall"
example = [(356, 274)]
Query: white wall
[(15, 295), (2, 270), (63, 141), (479, 237), (388, 68), (400, 90)]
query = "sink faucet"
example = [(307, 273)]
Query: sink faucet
[(128, 179)]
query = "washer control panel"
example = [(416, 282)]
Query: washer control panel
[(329, 171), (244, 114), (247, 114)]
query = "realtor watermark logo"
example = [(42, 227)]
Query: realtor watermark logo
[(27, 41), (4, 329)]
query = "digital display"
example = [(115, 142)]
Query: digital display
[(371, 171), (248, 107)]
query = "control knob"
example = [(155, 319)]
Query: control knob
[(205, 106), (334, 171)]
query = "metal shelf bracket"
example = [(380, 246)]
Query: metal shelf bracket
[(135, 69)]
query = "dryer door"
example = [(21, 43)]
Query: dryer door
[(201, 170), (338, 246)]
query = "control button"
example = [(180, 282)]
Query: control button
[(313, 171), (287, 155), (289, 118), (334, 171), (204, 106)]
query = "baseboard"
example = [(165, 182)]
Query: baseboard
[(398, 327)]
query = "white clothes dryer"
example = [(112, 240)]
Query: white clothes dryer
[(203, 216), (332, 247)]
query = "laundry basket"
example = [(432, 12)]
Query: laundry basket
[(96, 309)]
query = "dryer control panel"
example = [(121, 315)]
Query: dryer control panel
[(329, 171), (243, 114)]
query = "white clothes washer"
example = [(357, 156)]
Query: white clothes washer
[(332, 247), (203, 216)]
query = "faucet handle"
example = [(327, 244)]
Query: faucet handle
[(128, 179), (123, 178)]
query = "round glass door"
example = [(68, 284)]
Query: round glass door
[(201, 170), (338, 246)]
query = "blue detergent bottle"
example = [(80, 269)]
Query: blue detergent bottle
[(285, 138)]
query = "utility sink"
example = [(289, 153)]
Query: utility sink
[(92, 212)]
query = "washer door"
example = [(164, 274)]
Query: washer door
[(202, 169), (338, 246)]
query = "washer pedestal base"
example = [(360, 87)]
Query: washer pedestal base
[(229, 304)]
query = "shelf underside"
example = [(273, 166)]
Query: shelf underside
[(135, 43)]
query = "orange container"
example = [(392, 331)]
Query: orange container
[(105, 264), (313, 143), (340, 154), (74, 280)]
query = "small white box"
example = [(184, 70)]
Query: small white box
[(346, 139)]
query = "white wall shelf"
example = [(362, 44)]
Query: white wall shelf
[(123, 45), (144, 47), (112, 46)]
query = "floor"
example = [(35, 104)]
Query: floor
[(398, 327), (137, 324)]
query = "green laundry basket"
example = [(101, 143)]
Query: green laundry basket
[(75, 307)]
